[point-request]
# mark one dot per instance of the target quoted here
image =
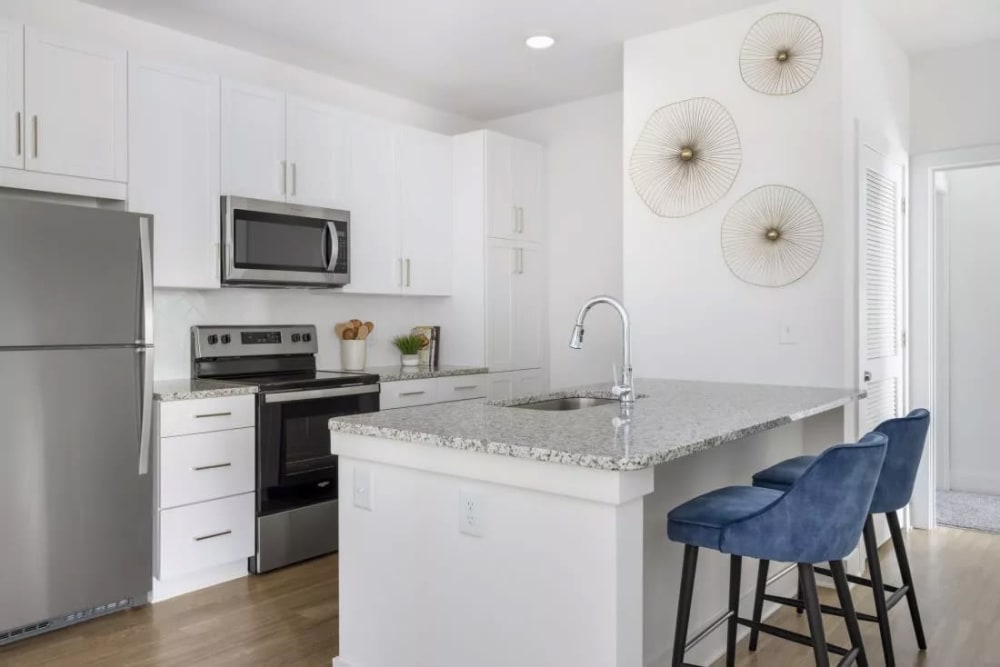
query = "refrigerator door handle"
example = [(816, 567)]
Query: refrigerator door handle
[(146, 258), (146, 418)]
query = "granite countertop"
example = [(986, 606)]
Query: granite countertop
[(187, 389), (671, 419), (396, 373)]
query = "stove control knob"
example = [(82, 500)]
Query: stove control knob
[(213, 339), (306, 338), (226, 339), (295, 338)]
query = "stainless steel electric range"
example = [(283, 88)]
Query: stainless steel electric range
[(296, 474)]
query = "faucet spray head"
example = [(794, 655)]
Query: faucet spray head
[(576, 341)]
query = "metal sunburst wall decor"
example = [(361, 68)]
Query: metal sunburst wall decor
[(772, 236), (686, 158), (781, 53)]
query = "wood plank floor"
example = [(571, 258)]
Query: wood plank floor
[(290, 617)]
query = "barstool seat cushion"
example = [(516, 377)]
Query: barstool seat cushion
[(702, 521), (782, 475)]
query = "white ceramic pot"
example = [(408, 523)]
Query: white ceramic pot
[(410, 359), (353, 355)]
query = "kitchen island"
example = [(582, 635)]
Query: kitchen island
[(478, 534)]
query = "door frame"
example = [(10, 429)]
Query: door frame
[(929, 311)]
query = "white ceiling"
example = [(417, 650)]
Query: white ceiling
[(464, 56), (468, 56), (931, 25)]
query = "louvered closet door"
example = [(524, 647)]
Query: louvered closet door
[(881, 285)]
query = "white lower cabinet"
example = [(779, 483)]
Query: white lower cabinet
[(205, 518), (410, 393), (515, 384)]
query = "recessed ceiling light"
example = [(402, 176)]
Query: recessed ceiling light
[(540, 42)]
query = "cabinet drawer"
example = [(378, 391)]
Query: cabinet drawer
[(461, 387), (206, 414), (201, 536), (407, 393), (205, 466)]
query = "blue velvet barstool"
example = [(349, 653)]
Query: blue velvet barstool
[(818, 519), (907, 436)]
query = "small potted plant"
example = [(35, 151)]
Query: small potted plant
[(409, 346)]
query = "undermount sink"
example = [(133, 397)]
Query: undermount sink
[(570, 403)]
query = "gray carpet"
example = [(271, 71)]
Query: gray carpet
[(969, 510)]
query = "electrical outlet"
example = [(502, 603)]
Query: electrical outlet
[(364, 491), (470, 512)]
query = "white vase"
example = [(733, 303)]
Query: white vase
[(353, 355), (410, 359)]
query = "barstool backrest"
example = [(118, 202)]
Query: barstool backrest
[(820, 517), (907, 436)]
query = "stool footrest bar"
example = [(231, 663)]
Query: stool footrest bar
[(709, 629), (897, 595), (788, 635)]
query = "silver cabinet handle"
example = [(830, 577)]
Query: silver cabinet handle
[(214, 414), (467, 387), (412, 393), (17, 122), (407, 272), (213, 535), (34, 132), (284, 177), (294, 180), (215, 466), (400, 271)]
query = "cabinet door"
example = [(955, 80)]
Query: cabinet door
[(375, 242), (253, 142), (500, 387), (174, 170), (75, 107), (528, 307), (528, 179), (500, 267), (501, 213), (423, 161), (529, 383), (11, 95), (318, 154)]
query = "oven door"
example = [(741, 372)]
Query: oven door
[(270, 243), (295, 466)]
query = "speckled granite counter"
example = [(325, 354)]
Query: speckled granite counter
[(189, 389), (672, 419), (396, 373)]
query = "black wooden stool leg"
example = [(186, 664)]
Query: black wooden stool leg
[(878, 591), (684, 604), (798, 596), (904, 570), (813, 613), (847, 604), (758, 602), (735, 571)]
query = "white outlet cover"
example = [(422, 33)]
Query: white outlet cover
[(470, 512), (364, 488)]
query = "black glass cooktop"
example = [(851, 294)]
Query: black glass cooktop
[(304, 380)]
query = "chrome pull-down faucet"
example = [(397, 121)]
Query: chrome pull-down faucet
[(623, 390)]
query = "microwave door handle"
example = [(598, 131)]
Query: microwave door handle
[(334, 241)]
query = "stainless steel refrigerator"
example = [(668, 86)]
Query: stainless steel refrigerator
[(76, 370)]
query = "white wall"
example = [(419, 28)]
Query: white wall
[(956, 102), (177, 310), (583, 146), (693, 317), (973, 238)]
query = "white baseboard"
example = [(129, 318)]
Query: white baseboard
[(164, 590)]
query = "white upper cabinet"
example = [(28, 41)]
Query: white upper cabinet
[(375, 239), (318, 155), (174, 170), (253, 142), (11, 95), (514, 202), (75, 107), (424, 212)]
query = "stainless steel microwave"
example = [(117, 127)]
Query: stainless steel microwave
[(274, 244)]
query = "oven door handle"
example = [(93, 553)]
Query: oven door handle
[(331, 241), (289, 396)]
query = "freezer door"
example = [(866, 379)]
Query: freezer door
[(71, 275), (76, 518)]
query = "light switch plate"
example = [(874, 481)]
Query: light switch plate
[(364, 488)]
